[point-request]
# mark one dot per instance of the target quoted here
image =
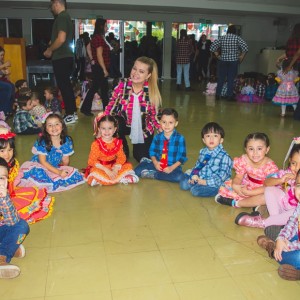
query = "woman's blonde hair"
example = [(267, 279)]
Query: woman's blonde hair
[(154, 93)]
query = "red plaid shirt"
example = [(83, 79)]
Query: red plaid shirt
[(292, 47), (184, 51), (96, 42), (8, 212), (121, 103)]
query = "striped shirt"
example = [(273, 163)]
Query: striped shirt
[(231, 46), (217, 169), (176, 148), (8, 212), (290, 230)]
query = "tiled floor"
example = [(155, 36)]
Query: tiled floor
[(152, 241)]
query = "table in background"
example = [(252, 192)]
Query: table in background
[(40, 70)]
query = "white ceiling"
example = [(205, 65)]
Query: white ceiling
[(275, 8)]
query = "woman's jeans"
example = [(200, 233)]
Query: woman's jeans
[(291, 257), (174, 176), (11, 237), (197, 190)]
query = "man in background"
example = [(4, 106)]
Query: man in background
[(230, 50), (62, 56)]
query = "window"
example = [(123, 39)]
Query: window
[(11, 28)]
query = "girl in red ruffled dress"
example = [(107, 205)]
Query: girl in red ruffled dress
[(32, 204), (107, 163)]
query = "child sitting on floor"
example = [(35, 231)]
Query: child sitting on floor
[(107, 163), (167, 151), (13, 229), (213, 166)]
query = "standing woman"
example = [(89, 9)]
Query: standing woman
[(100, 67), (203, 53), (7, 89), (135, 103)]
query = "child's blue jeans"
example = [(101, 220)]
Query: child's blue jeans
[(11, 237), (291, 257), (174, 176), (197, 190)]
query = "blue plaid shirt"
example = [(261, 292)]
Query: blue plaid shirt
[(176, 148), (22, 121), (217, 169), (231, 46)]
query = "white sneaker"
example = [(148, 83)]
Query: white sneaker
[(75, 116), (145, 159), (94, 182), (148, 174), (9, 271), (20, 253), (69, 119), (130, 178)]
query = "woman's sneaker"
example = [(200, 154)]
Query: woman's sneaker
[(69, 119)]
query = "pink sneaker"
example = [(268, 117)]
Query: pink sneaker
[(248, 220)]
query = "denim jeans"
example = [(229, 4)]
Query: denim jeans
[(174, 176), (291, 257), (197, 190), (11, 237), (226, 69), (186, 74)]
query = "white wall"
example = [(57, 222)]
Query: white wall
[(258, 32)]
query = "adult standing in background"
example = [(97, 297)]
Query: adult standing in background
[(202, 56), (230, 50), (62, 56), (80, 56), (100, 67), (184, 50)]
